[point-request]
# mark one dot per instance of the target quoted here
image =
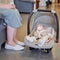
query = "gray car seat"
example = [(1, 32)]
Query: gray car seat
[(47, 18)]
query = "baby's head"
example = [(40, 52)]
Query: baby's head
[(39, 27)]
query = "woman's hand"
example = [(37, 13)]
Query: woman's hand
[(10, 6)]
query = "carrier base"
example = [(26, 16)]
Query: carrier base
[(42, 50)]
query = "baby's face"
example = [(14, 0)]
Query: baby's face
[(39, 27)]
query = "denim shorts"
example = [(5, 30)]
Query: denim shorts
[(11, 17)]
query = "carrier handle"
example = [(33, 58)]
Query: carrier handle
[(40, 10), (44, 10), (28, 23), (57, 23)]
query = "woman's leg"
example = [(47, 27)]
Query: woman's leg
[(10, 35), (10, 44)]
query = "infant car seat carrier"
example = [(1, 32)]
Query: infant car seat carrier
[(47, 18)]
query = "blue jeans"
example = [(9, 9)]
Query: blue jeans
[(12, 17)]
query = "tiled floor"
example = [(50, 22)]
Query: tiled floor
[(27, 54)]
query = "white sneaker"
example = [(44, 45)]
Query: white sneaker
[(16, 47), (20, 43)]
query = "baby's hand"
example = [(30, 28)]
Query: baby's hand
[(50, 38)]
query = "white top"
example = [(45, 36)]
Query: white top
[(6, 1)]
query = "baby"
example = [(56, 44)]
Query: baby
[(42, 31), (41, 34)]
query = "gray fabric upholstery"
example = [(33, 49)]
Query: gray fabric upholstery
[(25, 6), (2, 30)]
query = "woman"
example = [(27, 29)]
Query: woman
[(13, 20)]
